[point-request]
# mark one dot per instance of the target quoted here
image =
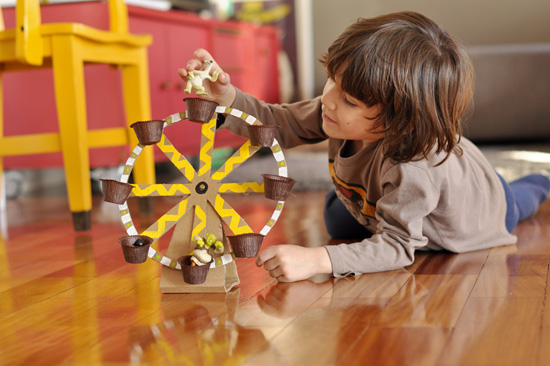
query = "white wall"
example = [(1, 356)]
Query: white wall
[(474, 22)]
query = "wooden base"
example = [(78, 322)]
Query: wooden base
[(220, 280)]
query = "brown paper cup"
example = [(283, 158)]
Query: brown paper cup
[(246, 245), (115, 191), (261, 135), (200, 110), (193, 275), (277, 187), (148, 132), (135, 254)]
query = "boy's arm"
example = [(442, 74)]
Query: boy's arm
[(400, 214), (408, 197), (299, 123), (376, 254)]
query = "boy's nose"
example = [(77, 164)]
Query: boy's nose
[(328, 103)]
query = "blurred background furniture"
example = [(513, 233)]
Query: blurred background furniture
[(249, 52), (512, 95), (27, 43)]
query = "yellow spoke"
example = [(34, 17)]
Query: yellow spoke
[(235, 222), (239, 157), (199, 223), (176, 158), (155, 190), (207, 145), (242, 187), (169, 219)]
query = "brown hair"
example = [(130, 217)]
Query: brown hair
[(422, 79)]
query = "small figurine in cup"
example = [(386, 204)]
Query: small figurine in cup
[(202, 254), (195, 78)]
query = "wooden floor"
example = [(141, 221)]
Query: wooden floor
[(70, 298)]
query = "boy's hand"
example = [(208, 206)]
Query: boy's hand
[(220, 91), (289, 263)]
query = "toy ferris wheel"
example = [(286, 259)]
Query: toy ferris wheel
[(199, 216)]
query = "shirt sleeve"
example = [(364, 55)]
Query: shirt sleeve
[(408, 197), (299, 123)]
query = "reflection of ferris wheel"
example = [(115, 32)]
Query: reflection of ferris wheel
[(201, 201)]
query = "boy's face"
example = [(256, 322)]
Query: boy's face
[(345, 117)]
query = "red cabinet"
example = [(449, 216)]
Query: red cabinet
[(246, 51)]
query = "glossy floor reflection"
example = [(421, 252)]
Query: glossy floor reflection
[(70, 298)]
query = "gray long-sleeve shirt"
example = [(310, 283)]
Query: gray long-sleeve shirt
[(458, 206)]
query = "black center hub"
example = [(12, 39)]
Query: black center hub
[(201, 188)]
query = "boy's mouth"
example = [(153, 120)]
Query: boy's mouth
[(328, 119)]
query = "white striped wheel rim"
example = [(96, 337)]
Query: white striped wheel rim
[(276, 150)]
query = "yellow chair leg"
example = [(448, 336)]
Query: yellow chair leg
[(2, 182), (135, 80), (68, 69)]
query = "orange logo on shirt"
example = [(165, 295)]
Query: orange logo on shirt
[(355, 195)]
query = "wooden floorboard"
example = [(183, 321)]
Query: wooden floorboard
[(69, 298)]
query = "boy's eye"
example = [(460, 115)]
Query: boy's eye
[(348, 101)]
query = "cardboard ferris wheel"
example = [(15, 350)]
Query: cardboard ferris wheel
[(201, 254)]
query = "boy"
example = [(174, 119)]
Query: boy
[(398, 86)]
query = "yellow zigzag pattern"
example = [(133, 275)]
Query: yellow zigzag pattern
[(241, 187), (160, 190), (237, 159), (205, 157), (166, 218), (200, 216), (177, 159), (235, 219)]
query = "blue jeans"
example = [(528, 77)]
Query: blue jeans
[(339, 222), (523, 198)]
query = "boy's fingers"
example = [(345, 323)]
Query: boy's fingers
[(271, 264), (202, 54), (279, 275), (283, 279), (224, 78), (260, 260), (197, 64), (194, 64), (264, 256)]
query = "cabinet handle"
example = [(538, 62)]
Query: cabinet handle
[(230, 31), (165, 85), (181, 86)]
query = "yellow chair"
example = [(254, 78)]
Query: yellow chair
[(66, 47)]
